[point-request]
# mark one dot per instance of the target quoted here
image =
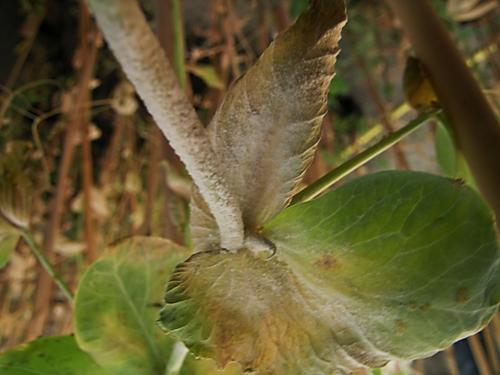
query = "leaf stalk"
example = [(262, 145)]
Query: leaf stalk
[(332, 177), (40, 256)]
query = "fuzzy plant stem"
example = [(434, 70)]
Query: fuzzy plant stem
[(179, 353), (326, 182), (144, 61), (40, 256)]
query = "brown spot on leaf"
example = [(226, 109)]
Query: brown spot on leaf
[(462, 296), (327, 262), (400, 327), (412, 305), (425, 307)]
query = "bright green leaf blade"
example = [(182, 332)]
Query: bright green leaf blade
[(268, 126), (413, 256), (116, 306), (49, 356)]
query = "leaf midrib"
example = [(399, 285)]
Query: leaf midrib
[(137, 316)]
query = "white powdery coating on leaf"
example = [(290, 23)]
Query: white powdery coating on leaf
[(268, 126), (145, 63)]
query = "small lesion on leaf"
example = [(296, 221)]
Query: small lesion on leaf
[(400, 327), (412, 305), (425, 307), (327, 262), (459, 182), (461, 296)]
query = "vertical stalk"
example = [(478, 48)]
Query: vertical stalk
[(45, 263), (41, 304), (399, 155), (171, 38), (178, 42), (89, 41), (281, 15), (129, 36), (176, 360), (476, 126), (479, 355)]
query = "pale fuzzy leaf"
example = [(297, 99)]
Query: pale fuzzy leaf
[(391, 265), (236, 307), (58, 355), (115, 303), (268, 126)]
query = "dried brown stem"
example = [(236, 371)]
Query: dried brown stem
[(31, 26), (45, 282), (479, 355), (90, 41)]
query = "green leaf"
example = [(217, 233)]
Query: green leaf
[(49, 356), (391, 265), (116, 306), (415, 253), (268, 126)]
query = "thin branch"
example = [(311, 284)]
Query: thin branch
[(325, 182), (401, 160), (79, 93), (90, 42), (45, 263), (143, 60), (176, 360)]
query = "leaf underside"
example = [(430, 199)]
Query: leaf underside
[(267, 128), (49, 356), (391, 265)]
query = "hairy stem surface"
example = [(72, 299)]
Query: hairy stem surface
[(144, 61)]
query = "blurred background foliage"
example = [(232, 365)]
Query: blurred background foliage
[(99, 170)]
